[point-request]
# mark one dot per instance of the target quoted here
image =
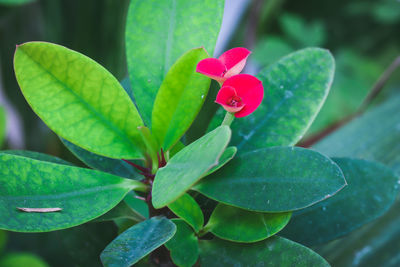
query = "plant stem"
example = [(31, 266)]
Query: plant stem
[(378, 86), (228, 119), (375, 90), (205, 230)]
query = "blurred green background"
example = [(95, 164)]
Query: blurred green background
[(363, 35)]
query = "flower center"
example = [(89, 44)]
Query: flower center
[(234, 101)]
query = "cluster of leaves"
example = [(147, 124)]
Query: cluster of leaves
[(252, 194)]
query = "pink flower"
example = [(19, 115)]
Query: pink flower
[(241, 94), (227, 65)]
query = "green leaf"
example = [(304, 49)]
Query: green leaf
[(78, 99), (188, 166), (113, 166), (187, 208), (373, 136), (138, 241), (82, 194), (2, 125), (184, 247), (15, 2), (136, 204), (37, 156), (240, 225), (151, 145), (176, 148), (371, 190), (157, 35), (274, 180), (228, 154), (179, 99), (341, 101), (295, 89), (206, 114), (275, 251), (121, 211), (22, 259)]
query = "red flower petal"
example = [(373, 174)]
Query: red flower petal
[(212, 68), (229, 100), (234, 60), (249, 89)]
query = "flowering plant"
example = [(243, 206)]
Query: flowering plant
[(219, 199)]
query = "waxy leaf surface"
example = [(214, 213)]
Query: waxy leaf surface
[(372, 136), (184, 247), (136, 204), (179, 99), (275, 251), (82, 194), (241, 225), (274, 180), (228, 154), (158, 34), (121, 211), (138, 241), (18, 259), (101, 163), (187, 208), (295, 89), (14, 2), (78, 99), (188, 166), (371, 190), (37, 156)]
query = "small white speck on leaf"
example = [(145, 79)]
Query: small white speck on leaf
[(39, 210)]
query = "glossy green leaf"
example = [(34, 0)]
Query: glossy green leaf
[(179, 99), (371, 190), (228, 154), (206, 114), (78, 99), (37, 156), (15, 2), (295, 89), (138, 241), (157, 35), (136, 204), (188, 166), (22, 259), (187, 208), (109, 165), (240, 225), (176, 148), (82, 194), (353, 70), (275, 251), (274, 180), (184, 247), (2, 125), (372, 136), (122, 210)]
